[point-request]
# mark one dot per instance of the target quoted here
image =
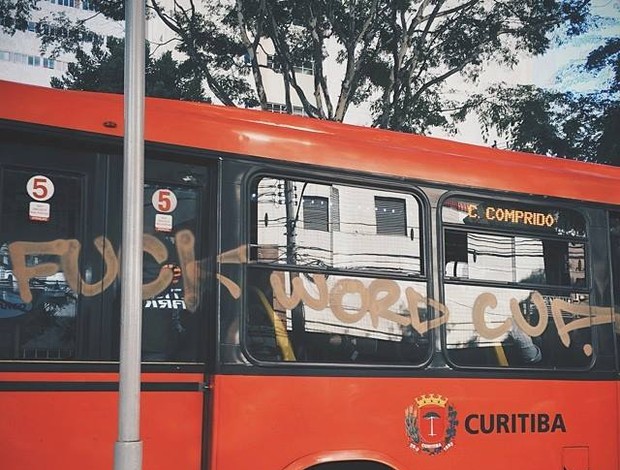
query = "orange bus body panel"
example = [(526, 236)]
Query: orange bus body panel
[(75, 430), (302, 140), (277, 420)]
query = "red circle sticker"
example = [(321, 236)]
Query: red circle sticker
[(164, 200), (40, 188)]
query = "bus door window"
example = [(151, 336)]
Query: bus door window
[(41, 229), (171, 264), (512, 283), (336, 275)]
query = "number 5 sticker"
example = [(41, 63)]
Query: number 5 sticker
[(40, 188), (164, 200)]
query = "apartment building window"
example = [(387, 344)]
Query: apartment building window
[(316, 213), (391, 216), (34, 61), (281, 108), (273, 63), (19, 58), (82, 5), (306, 67)]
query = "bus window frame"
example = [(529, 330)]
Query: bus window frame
[(326, 177)]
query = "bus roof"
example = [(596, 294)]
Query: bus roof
[(312, 141)]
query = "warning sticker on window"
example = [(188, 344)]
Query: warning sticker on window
[(163, 223), (39, 211)]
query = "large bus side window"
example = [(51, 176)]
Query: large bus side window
[(515, 276), (40, 240), (336, 275)]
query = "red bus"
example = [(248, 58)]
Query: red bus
[(317, 296)]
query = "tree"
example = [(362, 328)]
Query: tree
[(581, 126), (608, 55), (396, 53), (14, 14), (102, 69), (398, 56)]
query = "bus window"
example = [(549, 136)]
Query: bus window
[(172, 262), (43, 221), (514, 277), (336, 275)]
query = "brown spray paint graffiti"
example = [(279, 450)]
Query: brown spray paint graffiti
[(380, 295), (68, 252), (375, 300)]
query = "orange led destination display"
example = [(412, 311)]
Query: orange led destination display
[(512, 215)]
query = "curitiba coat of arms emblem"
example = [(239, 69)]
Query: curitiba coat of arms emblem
[(431, 424)]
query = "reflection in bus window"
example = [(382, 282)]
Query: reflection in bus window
[(511, 294), (327, 289), (514, 259), (43, 328), (499, 327), (344, 233)]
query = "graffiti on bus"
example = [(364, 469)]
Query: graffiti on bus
[(380, 295), (375, 299), (68, 253)]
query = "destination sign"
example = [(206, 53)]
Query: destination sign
[(512, 215)]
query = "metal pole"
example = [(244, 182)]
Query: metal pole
[(128, 447)]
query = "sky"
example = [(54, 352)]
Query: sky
[(558, 69)]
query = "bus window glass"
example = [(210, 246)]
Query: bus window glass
[(514, 259), (510, 327), (512, 287), (340, 291), (39, 309), (335, 226), (170, 319)]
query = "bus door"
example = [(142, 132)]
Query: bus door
[(179, 231), (51, 252), (54, 329)]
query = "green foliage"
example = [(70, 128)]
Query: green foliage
[(580, 126), (99, 70), (423, 45), (102, 69), (607, 55), (14, 14)]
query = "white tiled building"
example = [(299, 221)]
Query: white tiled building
[(21, 58)]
